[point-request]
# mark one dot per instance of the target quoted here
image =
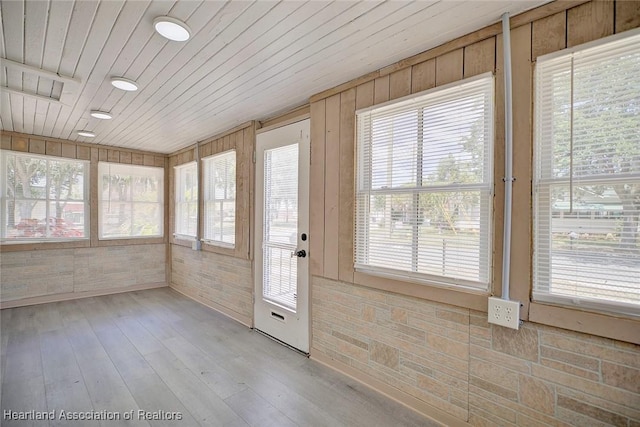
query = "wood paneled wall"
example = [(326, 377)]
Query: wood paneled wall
[(333, 148), (543, 30), (242, 139)]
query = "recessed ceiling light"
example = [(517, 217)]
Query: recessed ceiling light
[(102, 115), (86, 133), (124, 84), (172, 28)]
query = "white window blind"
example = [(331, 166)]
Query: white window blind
[(219, 173), (43, 198), (131, 201), (186, 200), (587, 176), (280, 225), (424, 186)]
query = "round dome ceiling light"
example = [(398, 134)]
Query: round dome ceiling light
[(124, 84), (86, 133), (102, 115), (172, 28)]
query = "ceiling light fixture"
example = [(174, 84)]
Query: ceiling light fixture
[(86, 133), (124, 84), (102, 115), (172, 28)]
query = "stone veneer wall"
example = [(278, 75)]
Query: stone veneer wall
[(220, 281), (42, 273), (451, 358)]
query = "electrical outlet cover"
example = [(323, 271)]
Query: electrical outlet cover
[(504, 313)]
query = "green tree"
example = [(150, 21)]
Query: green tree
[(64, 178), (23, 177), (445, 208)]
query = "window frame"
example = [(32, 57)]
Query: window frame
[(205, 163), (73, 241), (160, 203), (547, 307), (366, 272), (177, 200)]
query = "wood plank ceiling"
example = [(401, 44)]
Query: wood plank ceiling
[(246, 60)]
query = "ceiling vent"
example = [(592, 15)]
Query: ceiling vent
[(25, 80)]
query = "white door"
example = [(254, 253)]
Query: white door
[(281, 306)]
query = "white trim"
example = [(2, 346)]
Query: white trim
[(425, 279), (481, 86), (105, 168), (206, 191), (560, 277), (86, 178), (589, 45), (220, 153), (418, 96), (598, 305), (283, 123)]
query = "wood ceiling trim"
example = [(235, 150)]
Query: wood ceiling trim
[(4, 134)]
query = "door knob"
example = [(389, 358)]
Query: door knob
[(300, 254)]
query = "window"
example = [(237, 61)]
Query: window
[(587, 166), (424, 186), (131, 201), (43, 198), (186, 200), (219, 173)]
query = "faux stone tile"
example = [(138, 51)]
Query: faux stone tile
[(621, 376), (350, 340), (453, 316), (522, 343), (493, 388), (384, 354), (536, 394), (591, 411), (399, 315), (570, 358)]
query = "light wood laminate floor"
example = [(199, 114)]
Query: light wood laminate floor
[(156, 351)]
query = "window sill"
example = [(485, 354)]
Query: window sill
[(130, 241), (180, 241), (184, 237), (609, 326), (463, 297), (218, 244), (207, 246), (44, 245)]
